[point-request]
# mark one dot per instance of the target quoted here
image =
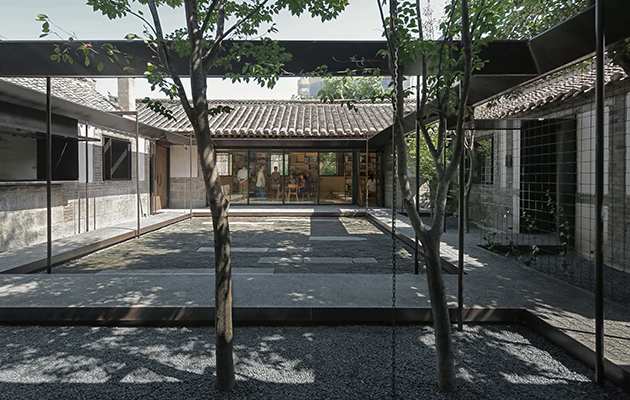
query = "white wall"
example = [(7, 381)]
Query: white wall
[(90, 154), (180, 161)]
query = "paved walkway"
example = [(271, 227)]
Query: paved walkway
[(491, 281)]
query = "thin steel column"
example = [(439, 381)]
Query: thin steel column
[(48, 178), (138, 200), (460, 227), (87, 180), (367, 165), (599, 194), (154, 177), (190, 180), (417, 264)]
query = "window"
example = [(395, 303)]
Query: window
[(276, 161), (484, 159), (328, 163), (116, 159), (65, 158), (224, 164)]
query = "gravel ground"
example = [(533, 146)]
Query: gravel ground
[(350, 362), (176, 246)]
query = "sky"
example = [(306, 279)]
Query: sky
[(360, 21)]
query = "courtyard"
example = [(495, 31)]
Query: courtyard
[(260, 245), (286, 273)]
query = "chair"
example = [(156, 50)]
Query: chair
[(292, 190)]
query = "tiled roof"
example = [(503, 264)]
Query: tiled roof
[(77, 90), (280, 118), (553, 89)]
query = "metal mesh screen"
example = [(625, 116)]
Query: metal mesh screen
[(539, 206)]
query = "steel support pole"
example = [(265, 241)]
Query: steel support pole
[(87, 180), (367, 166), (48, 178), (417, 263), (460, 233), (599, 193), (190, 180), (154, 178), (138, 200)]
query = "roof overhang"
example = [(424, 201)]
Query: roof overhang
[(34, 100), (288, 143)]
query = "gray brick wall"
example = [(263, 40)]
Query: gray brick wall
[(23, 206)]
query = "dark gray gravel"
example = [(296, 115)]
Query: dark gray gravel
[(351, 362)]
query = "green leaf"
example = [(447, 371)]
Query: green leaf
[(99, 67), (41, 17), (87, 61)]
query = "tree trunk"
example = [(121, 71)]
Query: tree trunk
[(445, 361), (223, 273)]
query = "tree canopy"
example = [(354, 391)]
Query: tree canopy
[(524, 19)]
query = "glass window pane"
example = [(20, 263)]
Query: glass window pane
[(223, 164)]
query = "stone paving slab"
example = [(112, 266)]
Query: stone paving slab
[(259, 249), (336, 238), (189, 271), (249, 290)]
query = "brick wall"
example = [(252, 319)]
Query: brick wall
[(23, 205)]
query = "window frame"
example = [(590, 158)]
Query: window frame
[(110, 168)]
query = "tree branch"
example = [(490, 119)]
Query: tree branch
[(206, 20), (211, 53), (423, 101), (465, 86), (169, 61)]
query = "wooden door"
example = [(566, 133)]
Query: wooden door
[(161, 178)]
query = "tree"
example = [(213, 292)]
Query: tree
[(208, 25), (524, 19), (452, 60), (352, 88)]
